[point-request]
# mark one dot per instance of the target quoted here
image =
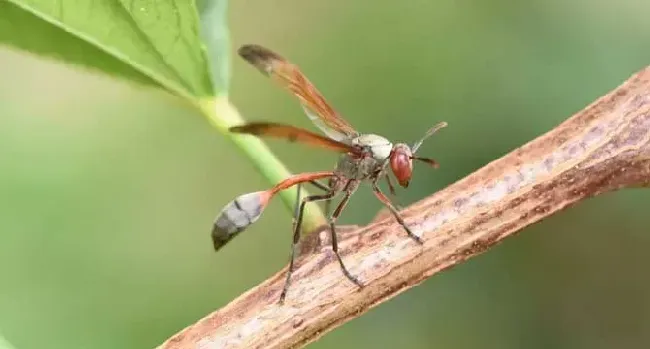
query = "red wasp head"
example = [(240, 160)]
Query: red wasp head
[(401, 162), (401, 157)]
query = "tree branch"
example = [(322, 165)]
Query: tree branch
[(602, 148)]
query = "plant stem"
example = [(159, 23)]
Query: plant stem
[(222, 115)]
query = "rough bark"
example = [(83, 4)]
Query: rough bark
[(602, 148)]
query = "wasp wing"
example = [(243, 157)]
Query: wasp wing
[(295, 134), (289, 75)]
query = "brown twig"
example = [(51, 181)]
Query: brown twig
[(602, 148)]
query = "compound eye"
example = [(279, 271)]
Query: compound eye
[(402, 166)]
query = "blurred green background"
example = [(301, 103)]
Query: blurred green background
[(108, 190)]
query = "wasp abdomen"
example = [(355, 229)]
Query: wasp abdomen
[(236, 216)]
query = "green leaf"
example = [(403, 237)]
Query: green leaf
[(167, 43), (214, 32), (146, 41)]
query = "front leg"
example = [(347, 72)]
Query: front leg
[(386, 201), (391, 190)]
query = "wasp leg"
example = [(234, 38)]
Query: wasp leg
[(327, 206), (391, 190), (296, 207), (349, 190), (323, 187), (320, 185), (296, 236), (394, 211)]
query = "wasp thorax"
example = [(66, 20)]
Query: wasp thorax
[(401, 163), (379, 147)]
